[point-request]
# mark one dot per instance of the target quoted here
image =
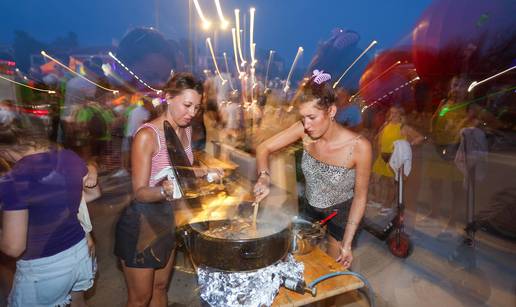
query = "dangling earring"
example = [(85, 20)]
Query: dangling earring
[(333, 118)]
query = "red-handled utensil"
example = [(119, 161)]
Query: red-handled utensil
[(326, 219)]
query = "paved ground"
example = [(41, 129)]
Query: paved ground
[(440, 270)]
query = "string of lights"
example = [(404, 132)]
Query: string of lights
[(287, 83), (43, 53), (233, 34), (239, 45), (477, 83), (379, 76), (356, 60), (229, 73), (208, 40), (389, 93), (223, 22), (27, 86), (133, 74), (205, 22)]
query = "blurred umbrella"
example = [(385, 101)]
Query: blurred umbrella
[(147, 53), (336, 53), (454, 37)]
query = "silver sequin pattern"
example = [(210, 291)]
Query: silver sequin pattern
[(250, 289), (326, 185)]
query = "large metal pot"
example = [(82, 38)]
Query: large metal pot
[(236, 254)]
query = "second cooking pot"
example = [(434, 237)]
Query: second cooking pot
[(305, 235)]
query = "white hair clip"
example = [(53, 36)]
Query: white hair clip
[(320, 76), (156, 102)]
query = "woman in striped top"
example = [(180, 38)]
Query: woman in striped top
[(144, 250)]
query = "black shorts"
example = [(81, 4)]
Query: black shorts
[(145, 235), (335, 226)]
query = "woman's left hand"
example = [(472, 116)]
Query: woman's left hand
[(91, 245), (345, 258), (90, 181), (218, 173)]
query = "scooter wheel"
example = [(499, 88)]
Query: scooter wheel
[(401, 249)]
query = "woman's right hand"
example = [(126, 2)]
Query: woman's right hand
[(345, 258), (261, 188), (168, 189)]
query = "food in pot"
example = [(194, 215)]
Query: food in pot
[(238, 229)]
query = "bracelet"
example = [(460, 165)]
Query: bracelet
[(352, 223), (95, 185), (165, 195), (162, 192), (346, 248), (264, 172)]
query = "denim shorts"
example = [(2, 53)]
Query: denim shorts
[(49, 281)]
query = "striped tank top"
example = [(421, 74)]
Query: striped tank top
[(161, 159)]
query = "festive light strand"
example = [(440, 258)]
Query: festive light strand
[(223, 22), (205, 22), (229, 73), (132, 73), (379, 76), (252, 45), (356, 60), (389, 93), (43, 53), (477, 83), (271, 53), (239, 45), (28, 86), (287, 83), (208, 40), (235, 51)]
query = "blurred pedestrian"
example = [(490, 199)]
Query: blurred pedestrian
[(40, 225), (395, 128)]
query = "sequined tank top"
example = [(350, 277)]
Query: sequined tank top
[(326, 184)]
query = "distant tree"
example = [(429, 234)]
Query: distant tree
[(65, 44), (24, 46)]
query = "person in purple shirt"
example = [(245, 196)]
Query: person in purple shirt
[(40, 198)]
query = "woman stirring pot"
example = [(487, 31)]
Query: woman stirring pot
[(336, 164)]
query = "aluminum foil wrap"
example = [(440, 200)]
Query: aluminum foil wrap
[(255, 288)]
